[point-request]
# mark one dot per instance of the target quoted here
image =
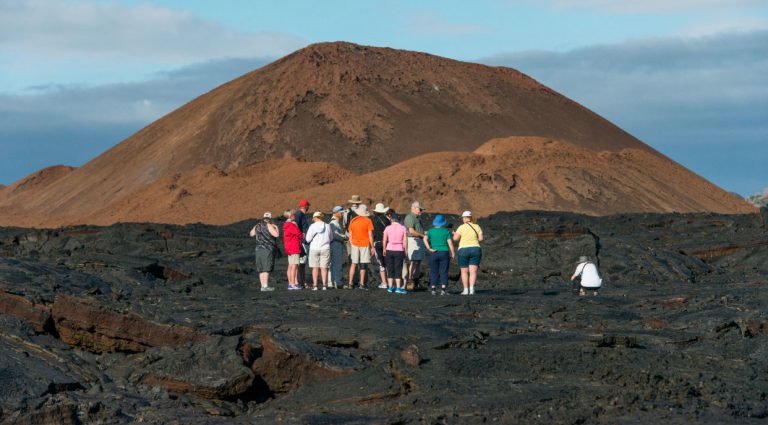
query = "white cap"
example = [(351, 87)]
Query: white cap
[(466, 214), (267, 215), (418, 205)]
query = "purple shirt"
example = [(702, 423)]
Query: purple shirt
[(395, 233)]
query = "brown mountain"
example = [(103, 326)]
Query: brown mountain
[(337, 118)]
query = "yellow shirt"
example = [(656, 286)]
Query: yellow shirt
[(469, 235)]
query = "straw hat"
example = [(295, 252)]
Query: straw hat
[(355, 200), (380, 208)]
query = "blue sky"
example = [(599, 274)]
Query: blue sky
[(688, 77)]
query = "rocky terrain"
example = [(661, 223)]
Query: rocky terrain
[(164, 324), (335, 118), (760, 199)]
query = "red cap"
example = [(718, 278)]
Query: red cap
[(303, 203)]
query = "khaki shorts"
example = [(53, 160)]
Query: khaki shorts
[(416, 249), (293, 259), (361, 255), (319, 258)]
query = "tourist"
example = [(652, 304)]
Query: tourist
[(416, 249), (589, 278), (303, 221), (380, 222), (361, 239), (292, 238), (337, 247), (438, 242), (319, 237), (469, 235), (395, 243), (266, 234), (351, 213)]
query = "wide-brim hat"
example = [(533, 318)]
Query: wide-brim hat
[(439, 221), (380, 208), (362, 210), (355, 200)]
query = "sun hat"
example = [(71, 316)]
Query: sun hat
[(418, 205), (439, 221), (338, 208), (303, 203), (267, 215), (466, 214), (318, 214), (355, 200), (362, 210), (583, 259), (380, 208)]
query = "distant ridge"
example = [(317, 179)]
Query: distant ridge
[(362, 109)]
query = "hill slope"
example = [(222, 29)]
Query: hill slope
[(364, 109)]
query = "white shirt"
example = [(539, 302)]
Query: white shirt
[(589, 276), (319, 236)]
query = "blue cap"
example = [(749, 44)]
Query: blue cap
[(337, 208), (439, 221)]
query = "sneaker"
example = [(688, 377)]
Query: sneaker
[(314, 288), (361, 287), (267, 289), (434, 292), (391, 289), (324, 288), (293, 287), (471, 290), (400, 291), (594, 293), (465, 291), (383, 285), (442, 292)]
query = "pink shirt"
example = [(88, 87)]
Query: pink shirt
[(395, 233)]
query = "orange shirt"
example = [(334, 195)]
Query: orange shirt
[(358, 231)]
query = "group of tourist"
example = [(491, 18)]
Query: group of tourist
[(381, 240), (394, 246)]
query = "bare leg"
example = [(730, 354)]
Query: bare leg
[(399, 283), (472, 276), (264, 279), (383, 275), (362, 277), (352, 273), (465, 278), (314, 277), (324, 276), (389, 282)]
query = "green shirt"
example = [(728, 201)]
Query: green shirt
[(412, 221), (438, 238)]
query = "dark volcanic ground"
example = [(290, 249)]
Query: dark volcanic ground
[(165, 324)]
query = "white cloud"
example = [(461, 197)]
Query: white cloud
[(95, 30), (649, 6)]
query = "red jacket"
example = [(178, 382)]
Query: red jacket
[(292, 237)]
